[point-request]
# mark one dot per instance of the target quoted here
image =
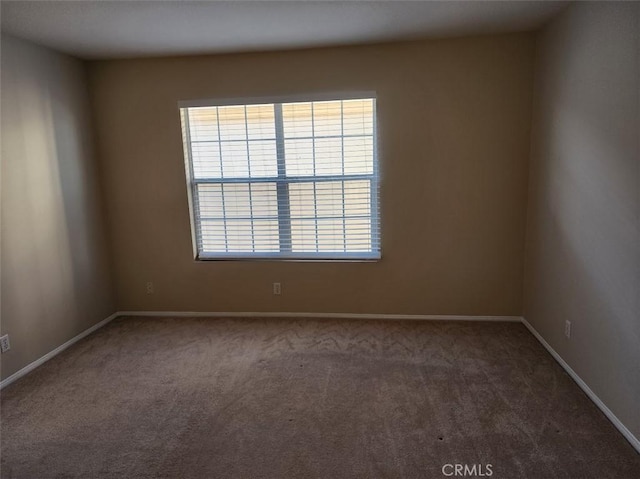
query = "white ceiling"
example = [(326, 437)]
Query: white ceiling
[(119, 29)]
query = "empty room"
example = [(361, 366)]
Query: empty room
[(320, 239)]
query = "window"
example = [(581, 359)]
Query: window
[(283, 180)]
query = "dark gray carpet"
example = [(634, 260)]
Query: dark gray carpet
[(246, 398)]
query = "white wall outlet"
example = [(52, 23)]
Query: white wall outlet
[(150, 289), (567, 329), (277, 289), (5, 345)]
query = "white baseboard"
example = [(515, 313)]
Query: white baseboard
[(217, 314), (30, 367), (598, 402)]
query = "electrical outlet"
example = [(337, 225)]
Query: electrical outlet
[(567, 329), (277, 289), (150, 289), (4, 343)]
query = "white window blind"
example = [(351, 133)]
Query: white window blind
[(290, 180)]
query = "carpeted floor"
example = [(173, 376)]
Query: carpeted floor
[(247, 398)]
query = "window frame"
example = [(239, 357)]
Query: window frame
[(283, 181)]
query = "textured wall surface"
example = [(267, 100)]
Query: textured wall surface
[(454, 134), (56, 279), (583, 235)]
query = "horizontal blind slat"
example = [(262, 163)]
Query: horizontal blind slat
[(329, 175)]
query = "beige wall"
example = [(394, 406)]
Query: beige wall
[(454, 131), (55, 270), (583, 238)]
